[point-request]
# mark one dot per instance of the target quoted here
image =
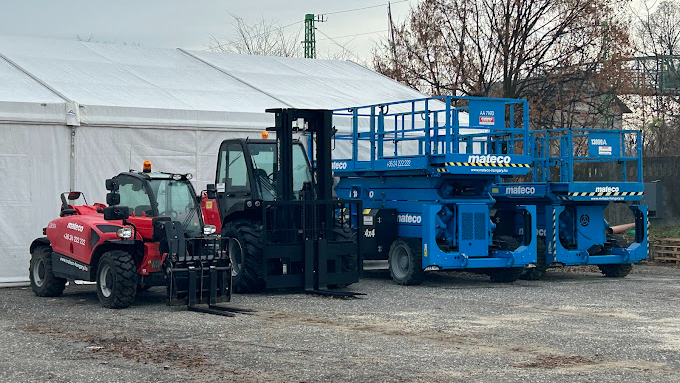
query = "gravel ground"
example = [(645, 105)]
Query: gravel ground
[(573, 326)]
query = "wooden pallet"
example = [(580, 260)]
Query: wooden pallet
[(667, 250)]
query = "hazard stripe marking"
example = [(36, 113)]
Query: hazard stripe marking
[(487, 164), (599, 194)]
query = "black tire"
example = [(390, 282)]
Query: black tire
[(43, 281), (616, 271), (509, 274), (537, 273), (245, 250), (619, 270), (406, 262), (116, 279)]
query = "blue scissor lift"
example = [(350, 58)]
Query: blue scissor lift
[(424, 179), (577, 173)]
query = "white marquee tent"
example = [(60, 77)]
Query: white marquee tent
[(74, 113)]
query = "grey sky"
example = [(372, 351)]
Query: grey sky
[(189, 24)]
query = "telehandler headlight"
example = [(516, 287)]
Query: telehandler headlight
[(249, 203), (209, 229), (124, 232)]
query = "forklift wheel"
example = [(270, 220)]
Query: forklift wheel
[(405, 261), (43, 282), (245, 250), (116, 279)]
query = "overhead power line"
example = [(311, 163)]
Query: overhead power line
[(368, 7), (354, 35), (338, 44)]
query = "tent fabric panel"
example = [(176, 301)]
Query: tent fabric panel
[(17, 86), (35, 165), (186, 79), (31, 112), (129, 76), (104, 152), (307, 83), (149, 117)]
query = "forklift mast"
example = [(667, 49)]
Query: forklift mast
[(319, 126)]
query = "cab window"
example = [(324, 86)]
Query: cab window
[(237, 171), (134, 195)]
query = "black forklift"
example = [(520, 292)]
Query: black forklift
[(285, 227)]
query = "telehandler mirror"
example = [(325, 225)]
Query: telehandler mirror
[(112, 184), (211, 191), (115, 213), (74, 195), (112, 198)]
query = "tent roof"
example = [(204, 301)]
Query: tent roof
[(133, 85)]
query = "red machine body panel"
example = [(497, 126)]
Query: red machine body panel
[(77, 236), (211, 213)]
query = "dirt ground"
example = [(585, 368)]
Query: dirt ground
[(573, 326)]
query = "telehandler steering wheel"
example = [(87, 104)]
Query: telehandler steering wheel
[(170, 213)]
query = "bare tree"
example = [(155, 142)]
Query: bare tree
[(564, 55), (267, 38), (264, 37), (658, 39), (659, 30)]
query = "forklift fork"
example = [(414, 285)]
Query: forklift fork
[(315, 281), (199, 272), (195, 295)]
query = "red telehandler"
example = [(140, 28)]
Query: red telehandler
[(151, 234)]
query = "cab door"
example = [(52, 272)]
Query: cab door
[(233, 181)]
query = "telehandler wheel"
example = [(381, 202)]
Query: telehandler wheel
[(43, 281), (616, 271), (116, 279), (245, 250), (406, 262), (536, 273)]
